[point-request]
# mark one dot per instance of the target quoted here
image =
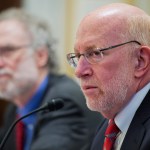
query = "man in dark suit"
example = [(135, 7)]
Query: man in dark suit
[(28, 78), (112, 61)]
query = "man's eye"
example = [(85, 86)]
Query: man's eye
[(77, 56), (97, 53), (8, 49), (94, 53)]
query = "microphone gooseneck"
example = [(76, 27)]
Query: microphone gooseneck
[(51, 105)]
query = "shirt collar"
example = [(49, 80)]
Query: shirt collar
[(124, 118), (34, 102)]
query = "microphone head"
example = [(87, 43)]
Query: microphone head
[(55, 104)]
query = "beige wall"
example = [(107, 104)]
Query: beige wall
[(64, 17)]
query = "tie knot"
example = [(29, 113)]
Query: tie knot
[(112, 129), (110, 135)]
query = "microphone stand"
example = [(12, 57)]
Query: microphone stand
[(54, 105)]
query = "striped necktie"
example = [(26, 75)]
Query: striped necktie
[(110, 135)]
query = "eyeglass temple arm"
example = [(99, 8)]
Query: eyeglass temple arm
[(120, 45)]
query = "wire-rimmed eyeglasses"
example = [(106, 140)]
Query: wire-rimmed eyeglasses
[(93, 56), (9, 52)]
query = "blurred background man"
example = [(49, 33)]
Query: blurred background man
[(28, 78)]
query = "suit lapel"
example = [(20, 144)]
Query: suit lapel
[(98, 141), (136, 131), (52, 79), (133, 137)]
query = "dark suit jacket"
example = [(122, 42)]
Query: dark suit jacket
[(138, 134), (70, 128)]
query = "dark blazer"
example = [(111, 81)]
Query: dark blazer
[(138, 134), (70, 128)]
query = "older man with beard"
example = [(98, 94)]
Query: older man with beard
[(112, 62), (29, 78)]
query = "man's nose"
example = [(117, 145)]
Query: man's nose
[(2, 61), (83, 68)]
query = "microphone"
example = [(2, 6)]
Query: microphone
[(51, 105)]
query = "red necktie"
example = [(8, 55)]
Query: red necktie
[(20, 135), (110, 135)]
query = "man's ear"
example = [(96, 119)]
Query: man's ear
[(142, 61), (41, 56)]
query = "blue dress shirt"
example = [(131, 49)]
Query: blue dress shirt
[(32, 104)]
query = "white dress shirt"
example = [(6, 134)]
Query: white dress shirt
[(124, 118)]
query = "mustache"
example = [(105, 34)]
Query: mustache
[(6, 71), (89, 82)]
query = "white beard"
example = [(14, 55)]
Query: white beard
[(112, 94), (22, 81)]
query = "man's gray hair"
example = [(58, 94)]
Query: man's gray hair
[(139, 29), (37, 29)]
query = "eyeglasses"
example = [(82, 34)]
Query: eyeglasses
[(92, 56), (9, 52)]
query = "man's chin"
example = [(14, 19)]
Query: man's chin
[(91, 104), (4, 97), (2, 89)]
